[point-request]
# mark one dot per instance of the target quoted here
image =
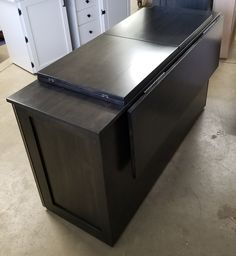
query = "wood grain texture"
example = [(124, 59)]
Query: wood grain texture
[(157, 113), (67, 106), (163, 26), (118, 64), (67, 166), (109, 68)]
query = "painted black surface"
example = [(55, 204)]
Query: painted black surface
[(116, 66), (67, 106), (69, 187), (156, 114), (110, 68), (192, 4), (163, 26)]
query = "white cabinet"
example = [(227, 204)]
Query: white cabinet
[(90, 18), (228, 9), (36, 32), (89, 31), (116, 11)]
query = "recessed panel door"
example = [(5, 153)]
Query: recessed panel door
[(47, 31)]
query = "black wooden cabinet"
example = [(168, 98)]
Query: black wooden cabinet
[(94, 160)]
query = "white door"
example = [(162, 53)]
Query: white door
[(14, 35), (46, 28), (116, 11)]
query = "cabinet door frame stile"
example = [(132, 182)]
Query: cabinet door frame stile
[(29, 46), (27, 28)]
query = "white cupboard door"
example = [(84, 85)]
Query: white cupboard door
[(14, 35), (116, 11), (47, 30)]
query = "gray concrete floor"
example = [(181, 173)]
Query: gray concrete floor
[(190, 211)]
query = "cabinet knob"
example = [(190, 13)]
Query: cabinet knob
[(89, 15), (87, 1), (90, 31)]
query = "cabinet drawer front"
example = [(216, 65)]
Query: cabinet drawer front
[(89, 31), (82, 4), (157, 114), (88, 14)]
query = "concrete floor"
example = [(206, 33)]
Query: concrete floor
[(3, 53), (190, 211)]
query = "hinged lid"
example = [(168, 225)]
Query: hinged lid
[(119, 65)]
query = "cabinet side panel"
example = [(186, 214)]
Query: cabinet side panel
[(68, 170), (69, 159), (73, 23), (22, 124)]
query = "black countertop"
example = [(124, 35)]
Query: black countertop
[(163, 26), (109, 66), (67, 106), (117, 65)]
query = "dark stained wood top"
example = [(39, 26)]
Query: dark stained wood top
[(163, 26), (111, 64), (193, 4), (79, 110), (117, 65), (110, 68)]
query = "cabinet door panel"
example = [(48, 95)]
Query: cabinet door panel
[(116, 11), (14, 35), (46, 26)]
